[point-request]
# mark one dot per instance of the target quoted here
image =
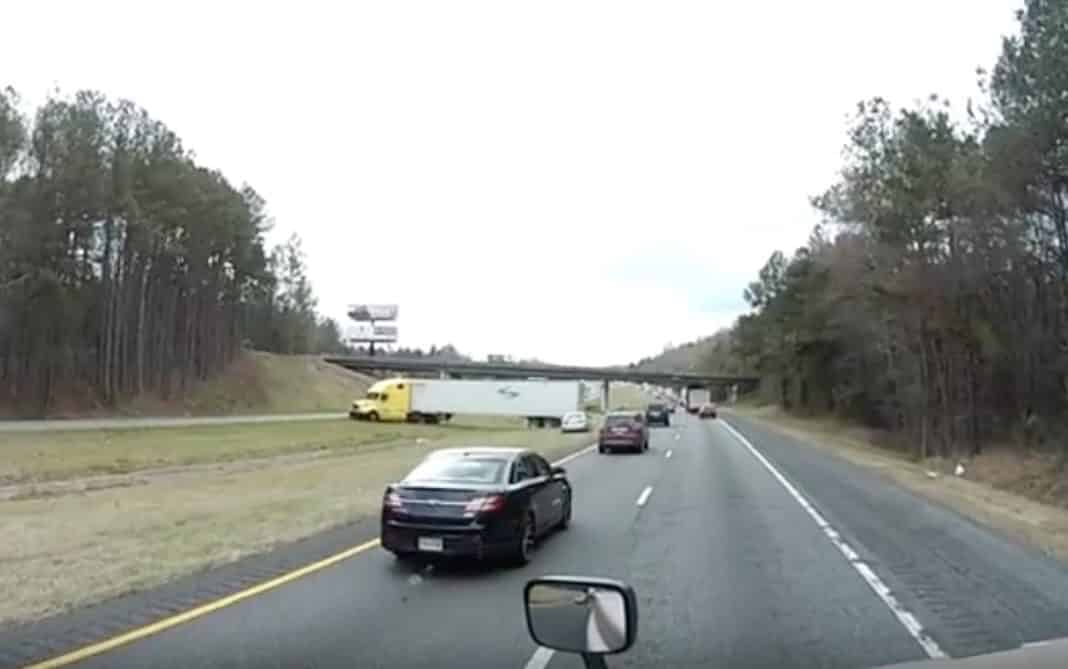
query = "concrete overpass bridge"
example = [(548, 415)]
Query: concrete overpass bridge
[(681, 382)]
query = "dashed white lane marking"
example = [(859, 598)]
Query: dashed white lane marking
[(668, 454), (540, 658), (644, 497), (905, 617)]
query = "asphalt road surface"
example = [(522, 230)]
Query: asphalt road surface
[(57, 424), (775, 557)]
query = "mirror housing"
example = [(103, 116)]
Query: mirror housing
[(558, 471), (591, 616)]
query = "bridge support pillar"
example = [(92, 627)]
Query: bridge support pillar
[(605, 396)]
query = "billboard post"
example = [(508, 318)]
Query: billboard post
[(367, 329)]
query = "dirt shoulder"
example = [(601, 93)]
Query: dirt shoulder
[(989, 491)]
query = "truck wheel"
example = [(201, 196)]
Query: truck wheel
[(373, 416)]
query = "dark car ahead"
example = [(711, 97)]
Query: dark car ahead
[(476, 502), (623, 430), (657, 414)]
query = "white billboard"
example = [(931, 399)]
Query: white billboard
[(366, 332), (372, 312)]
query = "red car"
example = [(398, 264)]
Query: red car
[(623, 430)]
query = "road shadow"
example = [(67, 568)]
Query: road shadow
[(464, 569)]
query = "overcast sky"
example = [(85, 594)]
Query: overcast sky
[(581, 182)]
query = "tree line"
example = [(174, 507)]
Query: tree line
[(932, 300), (126, 266)]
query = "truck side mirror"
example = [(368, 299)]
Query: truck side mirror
[(590, 616)]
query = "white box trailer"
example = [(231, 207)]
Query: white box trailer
[(697, 397), (540, 401)]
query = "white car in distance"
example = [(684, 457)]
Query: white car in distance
[(575, 421)]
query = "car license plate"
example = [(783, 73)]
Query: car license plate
[(431, 544)]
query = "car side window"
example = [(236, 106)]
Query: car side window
[(521, 471), (384, 397), (541, 467)]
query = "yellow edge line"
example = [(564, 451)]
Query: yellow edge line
[(86, 652), (184, 617)]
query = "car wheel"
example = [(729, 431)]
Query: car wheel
[(565, 521), (525, 545), (373, 416), (601, 449)]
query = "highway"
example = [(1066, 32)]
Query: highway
[(60, 424), (746, 549)]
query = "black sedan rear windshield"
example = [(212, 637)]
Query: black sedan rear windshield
[(656, 407), (459, 469)]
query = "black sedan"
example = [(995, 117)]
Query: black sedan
[(475, 502), (657, 414)]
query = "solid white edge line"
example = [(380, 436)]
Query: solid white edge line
[(540, 658), (569, 458), (644, 497), (668, 454), (905, 617)]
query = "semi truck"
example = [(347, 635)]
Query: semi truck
[(542, 402), (696, 397)]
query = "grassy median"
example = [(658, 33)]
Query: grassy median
[(47, 456), (88, 515)]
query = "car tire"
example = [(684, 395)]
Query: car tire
[(525, 545), (373, 416), (601, 449), (565, 521)]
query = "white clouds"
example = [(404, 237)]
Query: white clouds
[(501, 169)]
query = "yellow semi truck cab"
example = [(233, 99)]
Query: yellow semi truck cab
[(388, 400)]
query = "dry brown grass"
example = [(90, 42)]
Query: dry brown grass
[(74, 547), (1007, 490), (254, 383)]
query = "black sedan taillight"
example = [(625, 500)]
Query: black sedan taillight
[(391, 501)]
